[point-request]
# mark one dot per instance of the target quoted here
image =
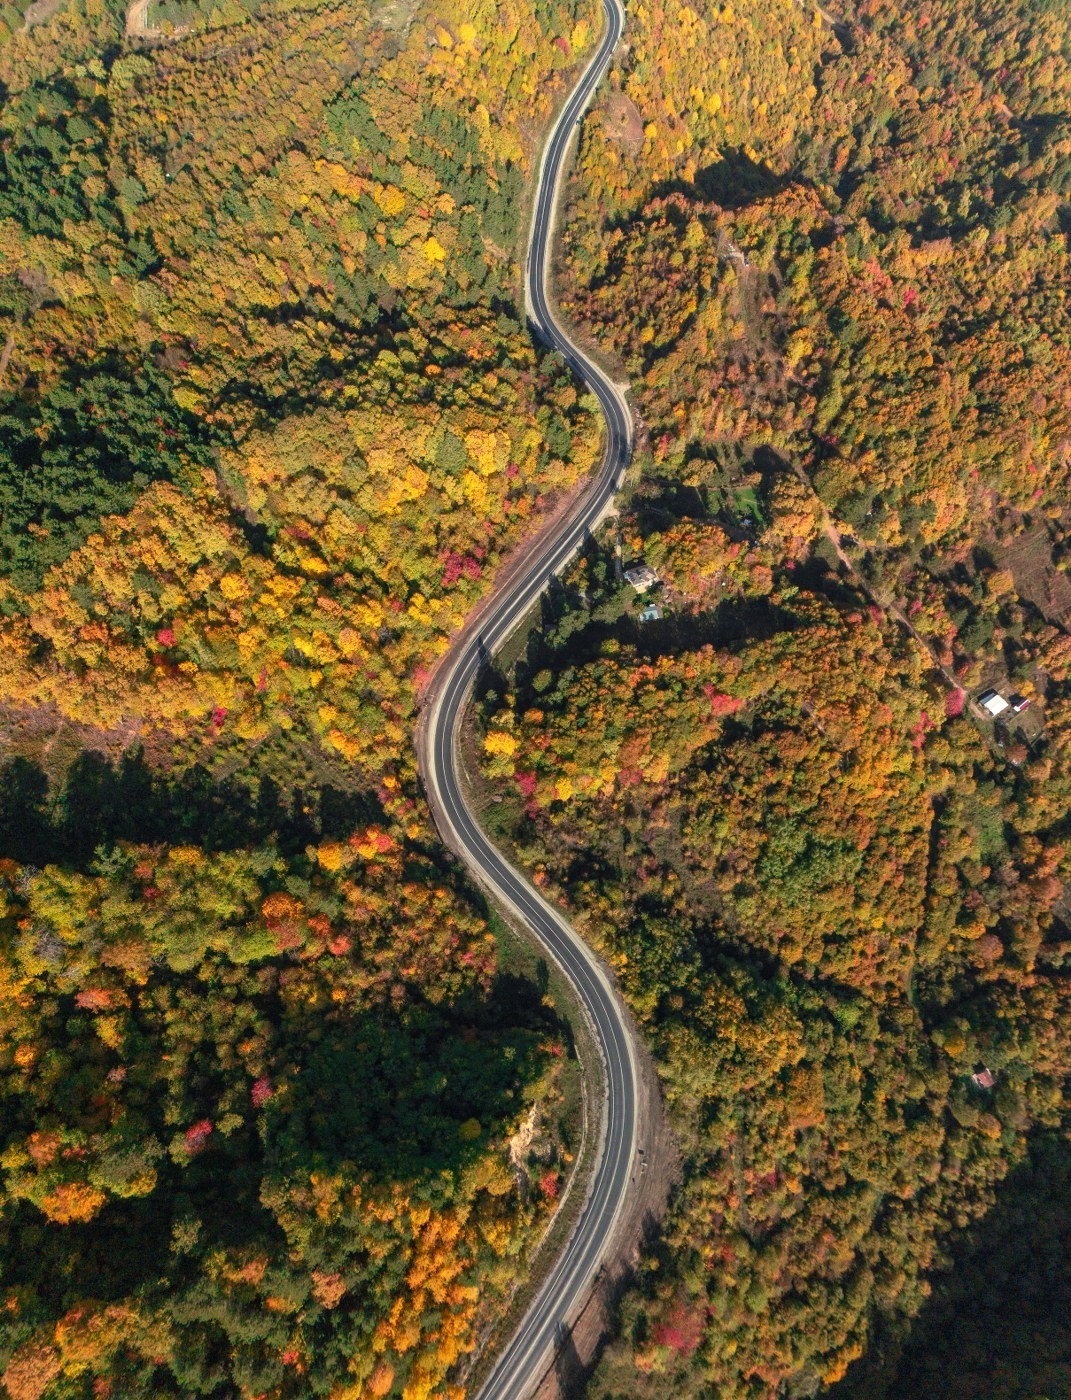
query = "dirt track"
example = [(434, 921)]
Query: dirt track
[(136, 17)]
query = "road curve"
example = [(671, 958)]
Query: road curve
[(524, 1358)]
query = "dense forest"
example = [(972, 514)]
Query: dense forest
[(277, 1115), (830, 252)]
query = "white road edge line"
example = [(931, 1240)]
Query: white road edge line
[(521, 1362)]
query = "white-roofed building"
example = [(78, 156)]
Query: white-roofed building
[(993, 702)]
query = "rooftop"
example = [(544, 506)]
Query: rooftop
[(993, 702), (641, 576)]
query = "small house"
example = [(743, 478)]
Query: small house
[(1019, 703), (983, 1077), (651, 613), (641, 576), (992, 702)]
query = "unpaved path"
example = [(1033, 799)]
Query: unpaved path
[(136, 20)]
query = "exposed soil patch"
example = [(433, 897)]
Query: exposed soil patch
[(43, 735), (138, 26), (136, 17), (520, 1144), (5, 356), (394, 15), (622, 121), (40, 12), (1037, 579)]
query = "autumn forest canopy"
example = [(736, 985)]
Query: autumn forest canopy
[(830, 253), (279, 1115), (284, 1108)]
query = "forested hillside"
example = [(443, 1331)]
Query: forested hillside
[(275, 1120), (831, 254)]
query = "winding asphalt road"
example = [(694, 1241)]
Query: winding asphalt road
[(524, 1359)]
